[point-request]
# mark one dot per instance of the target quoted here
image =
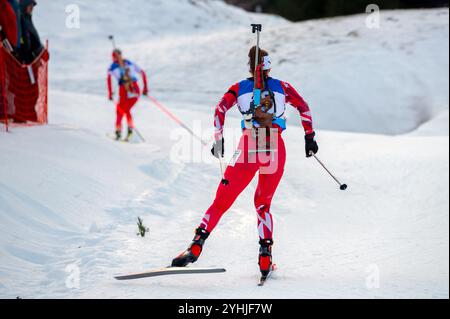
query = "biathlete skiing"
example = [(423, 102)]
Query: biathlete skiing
[(127, 75), (262, 101)]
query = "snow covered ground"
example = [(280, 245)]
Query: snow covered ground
[(70, 197)]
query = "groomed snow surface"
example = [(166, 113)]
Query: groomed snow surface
[(70, 196)]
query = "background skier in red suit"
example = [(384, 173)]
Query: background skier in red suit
[(127, 75)]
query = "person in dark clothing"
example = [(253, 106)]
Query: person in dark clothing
[(30, 46), (16, 8)]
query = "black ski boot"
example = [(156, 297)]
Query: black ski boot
[(265, 256), (193, 252), (129, 135), (118, 135)]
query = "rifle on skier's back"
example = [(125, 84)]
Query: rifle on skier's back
[(261, 105)]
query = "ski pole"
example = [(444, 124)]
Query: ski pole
[(224, 180), (343, 187), (176, 119), (180, 123), (139, 134)]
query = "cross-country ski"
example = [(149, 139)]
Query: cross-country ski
[(170, 271)]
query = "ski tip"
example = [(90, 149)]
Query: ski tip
[(221, 270), (120, 278)]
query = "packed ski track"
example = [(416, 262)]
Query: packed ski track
[(70, 196)]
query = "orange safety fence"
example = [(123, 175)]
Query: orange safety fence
[(23, 89)]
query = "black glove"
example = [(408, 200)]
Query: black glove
[(218, 149), (311, 144)]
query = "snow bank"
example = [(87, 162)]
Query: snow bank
[(436, 127)]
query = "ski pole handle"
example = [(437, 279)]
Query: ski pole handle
[(342, 187), (256, 27)]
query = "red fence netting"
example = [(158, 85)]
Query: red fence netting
[(23, 89)]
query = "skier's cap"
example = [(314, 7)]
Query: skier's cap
[(115, 53), (267, 63)]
